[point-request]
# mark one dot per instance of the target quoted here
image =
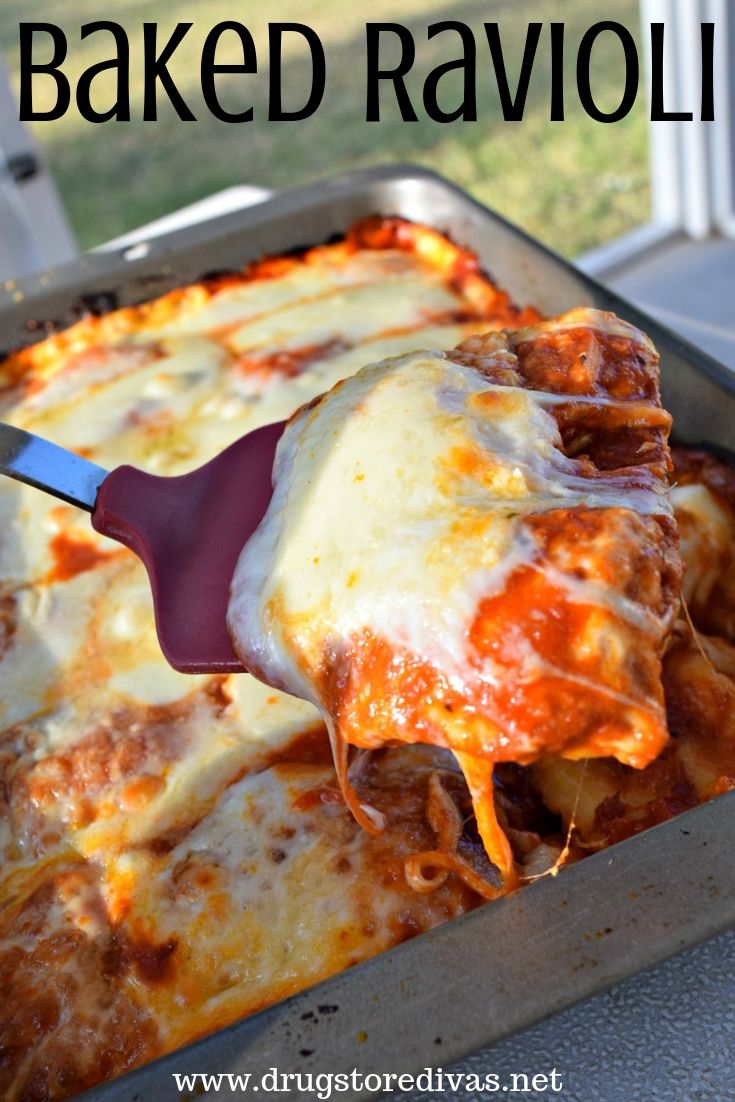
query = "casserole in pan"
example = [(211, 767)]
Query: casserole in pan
[(183, 926)]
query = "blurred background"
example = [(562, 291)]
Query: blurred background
[(647, 207), (574, 184)]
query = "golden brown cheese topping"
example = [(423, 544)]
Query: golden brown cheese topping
[(139, 807), (172, 849)]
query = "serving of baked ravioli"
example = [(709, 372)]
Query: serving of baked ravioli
[(177, 852), (476, 550)]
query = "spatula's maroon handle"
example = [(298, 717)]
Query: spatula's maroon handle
[(189, 532)]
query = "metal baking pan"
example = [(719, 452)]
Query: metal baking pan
[(446, 993)]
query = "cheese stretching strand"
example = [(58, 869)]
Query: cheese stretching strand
[(476, 550)]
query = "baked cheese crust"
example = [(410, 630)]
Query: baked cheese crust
[(174, 851)]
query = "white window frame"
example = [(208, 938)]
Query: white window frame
[(691, 163)]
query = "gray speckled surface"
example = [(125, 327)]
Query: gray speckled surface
[(666, 1035)]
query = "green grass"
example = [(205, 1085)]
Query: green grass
[(573, 184)]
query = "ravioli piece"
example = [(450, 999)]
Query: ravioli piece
[(476, 550), (704, 503)]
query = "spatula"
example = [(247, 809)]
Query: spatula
[(188, 530)]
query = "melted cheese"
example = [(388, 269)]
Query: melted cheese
[(276, 889), (407, 500), (398, 502)]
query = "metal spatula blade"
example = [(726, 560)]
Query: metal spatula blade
[(188, 530)]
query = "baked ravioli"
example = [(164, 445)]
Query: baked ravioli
[(176, 852), (475, 549)]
